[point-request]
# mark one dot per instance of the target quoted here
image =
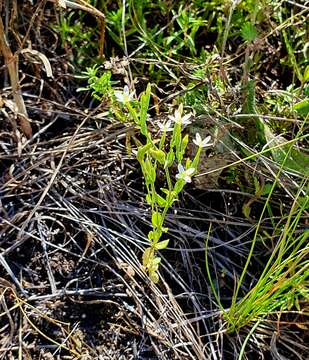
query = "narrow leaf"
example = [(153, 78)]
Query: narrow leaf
[(161, 245), (154, 277), (302, 107), (156, 219), (144, 105), (147, 256), (159, 155)]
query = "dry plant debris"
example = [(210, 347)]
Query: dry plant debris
[(74, 223)]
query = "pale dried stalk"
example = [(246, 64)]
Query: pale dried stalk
[(12, 64)]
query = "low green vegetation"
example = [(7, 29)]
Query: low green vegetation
[(233, 76)]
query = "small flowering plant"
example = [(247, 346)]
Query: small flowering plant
[(124, 96), (185, 174), (162, 154), (125, 105), (201, 143)]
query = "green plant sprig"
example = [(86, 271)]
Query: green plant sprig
[(162, 154)]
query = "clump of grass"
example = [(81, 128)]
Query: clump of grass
[(283, 285)]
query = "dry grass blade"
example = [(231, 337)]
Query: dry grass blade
[(11, 62)]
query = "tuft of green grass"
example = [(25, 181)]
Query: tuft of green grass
[(248, 32)]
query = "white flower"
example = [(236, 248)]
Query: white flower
[(166, 127), (124, 96), (201, 143), (179, 119), (185, 174)]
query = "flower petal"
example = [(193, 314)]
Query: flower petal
[(119, 96), (126, 90), (180, 169), (186, 118), (177, 116), (168, 124), (190, 171), (205, 142), (187, 179), (161, 126)]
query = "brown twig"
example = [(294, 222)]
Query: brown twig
[(11, 61)]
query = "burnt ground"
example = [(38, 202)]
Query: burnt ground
[(73, 227)]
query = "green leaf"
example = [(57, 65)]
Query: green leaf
[(266, 189), (306, 74), (156, 260), (170, 159), (150, 172), (160, 200), (149, 199), (292, 159), (142, 151), (248, 32), (157, 154), (256, 185), (195, 161), (161, 245), (154, 264), (154, 277), (156, 219), (304, 202), (144, 105), (156, 236), (179, 186), (165, 191), (246, 209), (147, 256), (178, 142), (184, 143), (144, 129), (302, 107), (152, 175)]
